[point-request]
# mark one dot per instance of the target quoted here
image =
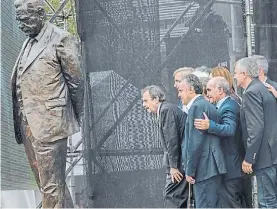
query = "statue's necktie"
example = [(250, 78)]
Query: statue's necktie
[(27, 51)]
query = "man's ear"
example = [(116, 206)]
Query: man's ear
[(156, 99), (191, 90), (244, 74)]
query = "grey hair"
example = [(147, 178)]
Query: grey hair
[(261, 62), (203, 69), (249, 65), (204, 80), (194, 82), (221, 83), (184, 71), (155, 92)]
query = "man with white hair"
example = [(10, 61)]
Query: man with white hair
[(229, 131), (262, 64), (259, 122), (202, 71), (180, 73), (178, 76), (263, 71)]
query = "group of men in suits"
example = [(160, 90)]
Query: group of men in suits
[(215, 144)]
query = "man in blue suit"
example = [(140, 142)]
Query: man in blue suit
[(229, 131), (202, 156)]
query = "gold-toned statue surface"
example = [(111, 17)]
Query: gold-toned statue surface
[(47, 91)]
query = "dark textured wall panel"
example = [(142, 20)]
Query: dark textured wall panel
[(15, 171)]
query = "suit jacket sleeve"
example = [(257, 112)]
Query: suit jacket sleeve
[(228, 124), (67, 53), (170, 132), (195, 141), (254, 117)]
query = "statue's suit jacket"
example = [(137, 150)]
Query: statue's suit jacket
[(51, 87)]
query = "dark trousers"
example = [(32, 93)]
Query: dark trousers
[(48, 163), (247, 191), (176, 194), (207, 192), (231, 193), (267, 187)]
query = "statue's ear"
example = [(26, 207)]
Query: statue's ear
[(41, 11)]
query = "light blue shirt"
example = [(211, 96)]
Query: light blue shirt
[(220, 102)]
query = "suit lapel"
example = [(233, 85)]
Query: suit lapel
[(38, 48), (36, 51), (18, 58), (223, 103)]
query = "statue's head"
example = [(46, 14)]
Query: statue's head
[(31, 16)]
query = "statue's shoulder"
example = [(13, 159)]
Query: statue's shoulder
[(58, 32), (56, 29)]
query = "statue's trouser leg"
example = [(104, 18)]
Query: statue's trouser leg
[(48, 163)]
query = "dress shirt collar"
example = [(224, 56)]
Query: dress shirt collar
[(191, 101), (220, 102), (158, 111)]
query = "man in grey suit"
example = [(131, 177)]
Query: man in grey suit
[(202, 156), (259, 122), (47, 93), (171, 122), (229, 130)]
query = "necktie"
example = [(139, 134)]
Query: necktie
[(27, 51)]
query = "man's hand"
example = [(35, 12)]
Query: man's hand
[(176, 175), (271, 89), (247, 167), (202, 124), (190, 179)]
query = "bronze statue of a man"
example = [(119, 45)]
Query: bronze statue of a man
[(47, 93)]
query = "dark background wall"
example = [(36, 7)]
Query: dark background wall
[(15, 171), (265, 19)]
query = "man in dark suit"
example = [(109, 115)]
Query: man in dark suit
[(171, 122), (202, 156), (259, 122), (229, 130), (47, 93)]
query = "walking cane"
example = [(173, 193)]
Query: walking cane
[(189, 197)]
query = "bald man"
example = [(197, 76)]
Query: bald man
[(229, 131)]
